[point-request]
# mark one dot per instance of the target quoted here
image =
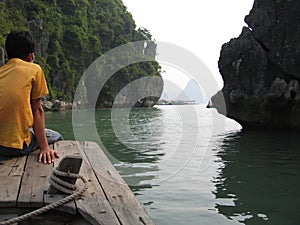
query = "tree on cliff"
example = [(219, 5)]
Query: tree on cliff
[(71, 34)]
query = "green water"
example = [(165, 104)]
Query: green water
[(189, 165)]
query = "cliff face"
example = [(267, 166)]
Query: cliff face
[(1, 56), (261, 68), (72, 34)]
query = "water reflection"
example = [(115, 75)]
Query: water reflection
[(136, 156), (135, 164), (143, 147), (259, 178), (62, 122)]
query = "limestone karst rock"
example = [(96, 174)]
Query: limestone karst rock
[(261, 68)]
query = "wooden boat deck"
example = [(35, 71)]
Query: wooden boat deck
[(108, 199)]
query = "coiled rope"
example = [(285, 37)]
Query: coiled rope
[(62, 186)]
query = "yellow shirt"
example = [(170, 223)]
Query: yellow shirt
[(20, 81)]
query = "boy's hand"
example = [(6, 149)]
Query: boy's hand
[(47, 155)]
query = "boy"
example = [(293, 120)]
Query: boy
[(22, 84)]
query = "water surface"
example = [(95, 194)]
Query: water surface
[(189, 165)]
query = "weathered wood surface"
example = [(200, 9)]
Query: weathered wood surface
[(108, 200), (34, 182), (11, 171), (123, 201), (93, 206)]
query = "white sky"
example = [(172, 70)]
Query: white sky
[(200, 26)]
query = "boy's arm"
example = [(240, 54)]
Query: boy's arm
[(46, 154)]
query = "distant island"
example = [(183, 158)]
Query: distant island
[(191, 94), (176, 102)]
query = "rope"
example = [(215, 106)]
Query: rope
[(60, 184), (74, 195)]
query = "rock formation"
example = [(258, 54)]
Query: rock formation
[(261, 68), (41, 36), (1, 56), (67, 43)]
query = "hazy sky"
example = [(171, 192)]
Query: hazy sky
[(200, 26)]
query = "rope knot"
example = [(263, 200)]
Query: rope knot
[(62, 185)]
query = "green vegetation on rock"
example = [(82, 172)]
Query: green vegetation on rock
[(71, 34)]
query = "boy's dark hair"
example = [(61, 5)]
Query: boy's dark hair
[(19, 44)]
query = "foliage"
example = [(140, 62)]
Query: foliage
[(71, 34)]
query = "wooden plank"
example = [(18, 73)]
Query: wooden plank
[(65, 148), (12, 166), (4, 217), (69, 207), (108, 199), (9, 191), (93, 206), (11, 170), (125, 204), (50, 218), (34, 182)]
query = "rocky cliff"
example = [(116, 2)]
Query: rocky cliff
[(1, 56), (261, 68), (71, 34)]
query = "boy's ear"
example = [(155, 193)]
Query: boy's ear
[(30, 57)]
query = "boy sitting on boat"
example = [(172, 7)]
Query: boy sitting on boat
[(22, 84)]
